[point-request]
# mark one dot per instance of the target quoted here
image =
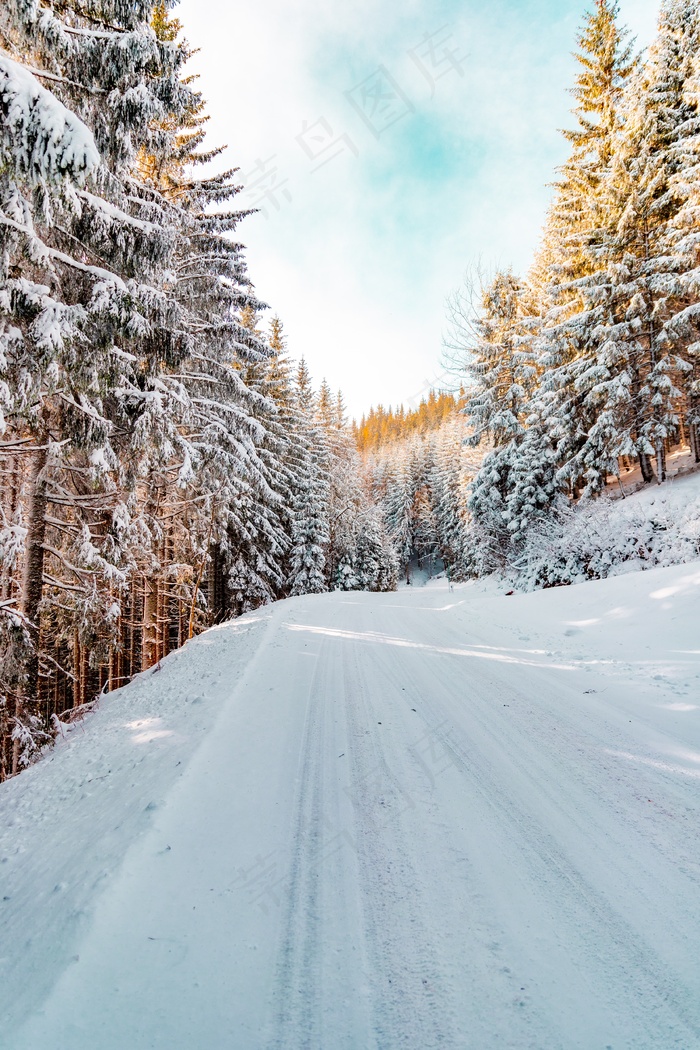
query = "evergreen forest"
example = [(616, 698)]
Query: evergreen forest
[(166, 464)]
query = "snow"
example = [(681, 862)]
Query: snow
[(454, 818), (42, 138), (680, 490), (679, 463), (657, 526)]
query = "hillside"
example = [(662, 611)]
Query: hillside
[(655, 526)]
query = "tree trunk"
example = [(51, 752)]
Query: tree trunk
[(89, 677), (77, 694), (694, 442), (7, 577), (166, 602), (32, 584), (660, 463), (111, 655), (132, 628), (149, 635), (211, 585), (646, 467)]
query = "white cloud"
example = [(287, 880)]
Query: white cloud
[(359, 261)]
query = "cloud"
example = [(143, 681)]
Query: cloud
[(373, 213)]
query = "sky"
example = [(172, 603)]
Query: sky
[(390, 148)]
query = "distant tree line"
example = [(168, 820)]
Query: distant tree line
[(383, 426)]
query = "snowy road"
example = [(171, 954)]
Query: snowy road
[(413, 824)]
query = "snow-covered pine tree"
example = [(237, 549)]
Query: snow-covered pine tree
[(83, 253), (533, 488), (227, 467), (310, 528), (46, 156), (256, 539), (576, 242), (489, 537), (402, 480), (503, 368), (500, 367), (425, 529), (345, 577), (641, 375), (681, 240), (448, 482), (577, 220), (375, 564), (346, 497)]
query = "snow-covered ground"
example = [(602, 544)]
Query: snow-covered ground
[(681, 489), (679, 462), (362, 822), (656, 527)]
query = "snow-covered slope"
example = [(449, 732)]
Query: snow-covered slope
[(677, 493), (653, 528), (424, 819)]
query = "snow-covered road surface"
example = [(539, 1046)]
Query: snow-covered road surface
[(418, 820)]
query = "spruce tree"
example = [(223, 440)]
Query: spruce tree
[(636, 384), (83, 249), (404, 477), (375, 564), (310, 526), (681, 240), (576, 245), (500, 365)]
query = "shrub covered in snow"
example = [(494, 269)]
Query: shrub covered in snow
[(600, 538)]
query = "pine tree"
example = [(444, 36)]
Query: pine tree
[(310, 530), (636, 384), (402, 482), (346, 498), (345, 577), (231, 443), (82, 249), (375, 565), (681, 241), (578, 219), (254, 543), (448, 485), (576, 245), (500, 367)]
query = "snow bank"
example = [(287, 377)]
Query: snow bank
[(658, 526), (66, 823)]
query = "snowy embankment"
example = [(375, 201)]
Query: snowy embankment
[(424, 819), (658, 525)]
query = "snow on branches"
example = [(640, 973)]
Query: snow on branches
[(41, 141)]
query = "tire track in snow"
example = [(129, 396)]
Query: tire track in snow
[(605, 935), (296, 986), (596, 922), (448, 914), (557, 739), (320, 985), (408, 998)]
